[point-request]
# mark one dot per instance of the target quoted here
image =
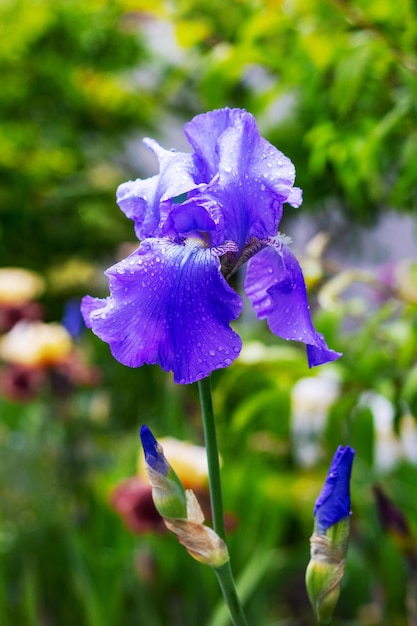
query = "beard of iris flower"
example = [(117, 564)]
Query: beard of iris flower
[(199, 220)]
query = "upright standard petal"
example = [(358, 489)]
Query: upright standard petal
[(275, 285), (246, 175), (203, 133), (333, 503), (147, 201), (169, 304)]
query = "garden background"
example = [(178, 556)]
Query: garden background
[(333, 84)]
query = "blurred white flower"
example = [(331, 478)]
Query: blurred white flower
[(387, 446), (311, 400)]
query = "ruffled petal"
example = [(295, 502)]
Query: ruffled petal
[(203, 133), (169, 304), (275, 285), (246, 175), (147, 202)]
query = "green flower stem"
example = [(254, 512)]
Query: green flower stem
[(224, 573), (227, 585), (210, 438)]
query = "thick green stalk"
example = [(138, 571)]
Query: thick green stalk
[(224, 573)]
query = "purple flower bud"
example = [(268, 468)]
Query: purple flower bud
[(167, 490), (333, 503), (154, 455)]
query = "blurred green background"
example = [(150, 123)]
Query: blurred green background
[(333, 84)]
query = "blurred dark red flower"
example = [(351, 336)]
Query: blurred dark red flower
[(132, 500), (11, 314), (21, 383)]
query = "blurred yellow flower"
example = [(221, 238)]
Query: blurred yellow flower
[(406, 280), (18, 285), (36, 344)]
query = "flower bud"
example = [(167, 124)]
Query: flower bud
[(180, 509), (187, 460), (330, 539), (167, 490)]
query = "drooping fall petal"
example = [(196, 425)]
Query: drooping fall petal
[(169, 304)]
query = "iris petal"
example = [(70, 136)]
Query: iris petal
[(187, 218), (147, 202), (275, 285), (170, 305), (204, 131), (246, 175)]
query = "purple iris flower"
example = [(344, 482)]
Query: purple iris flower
[(202, 217), (333, 503)]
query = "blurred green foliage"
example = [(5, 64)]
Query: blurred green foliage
[(67, 104), (333, 84)]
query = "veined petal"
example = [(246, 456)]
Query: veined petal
[(169, 304), (204, 131), (148, 201), (246, 175), (195, 217), (275, 285)]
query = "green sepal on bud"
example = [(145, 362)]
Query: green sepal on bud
[(201, 542), (168, 493), (326, 567)]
